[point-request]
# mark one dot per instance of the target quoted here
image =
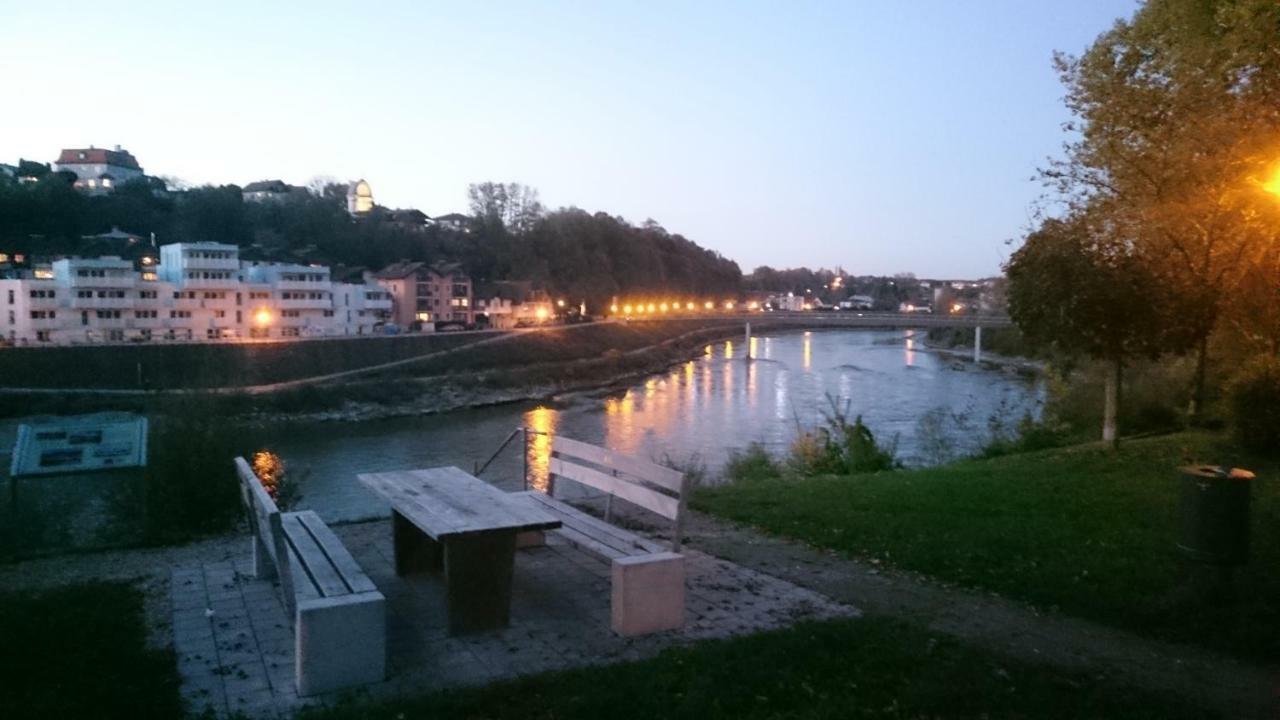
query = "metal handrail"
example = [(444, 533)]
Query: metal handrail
[(526, 431)]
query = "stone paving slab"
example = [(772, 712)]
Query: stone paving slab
[(235, 645)]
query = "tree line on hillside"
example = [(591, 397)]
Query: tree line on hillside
[(585, 256), (1165, 238)]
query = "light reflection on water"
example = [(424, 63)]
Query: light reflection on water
[(706, 408)]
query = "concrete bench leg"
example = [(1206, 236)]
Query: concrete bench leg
[(340, 642), (648, 593)]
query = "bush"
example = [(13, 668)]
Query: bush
[(841, 447), (1254, 405), (754, 463), (191, 486), (1029, 436)]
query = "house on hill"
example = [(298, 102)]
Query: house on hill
[(454, 221), (264, 191), (98, 170)]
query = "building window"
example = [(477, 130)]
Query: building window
[(219, 314), (42, 336), (289, 313), (328, 313), (289, 332)]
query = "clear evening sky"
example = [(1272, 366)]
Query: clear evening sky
[(886, 136)]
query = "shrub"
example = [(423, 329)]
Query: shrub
[(754, 463), (1029, 436), (191, 487), (841, 447), (1254, 405), (692, 467)]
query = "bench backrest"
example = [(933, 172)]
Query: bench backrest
[(653, 487), (266, 523)]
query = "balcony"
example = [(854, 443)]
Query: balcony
[(113, 282), (195, 263), (307, 304), (97, 303), (309, 285), (206, 284)]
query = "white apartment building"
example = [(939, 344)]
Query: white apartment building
[(198, 292)]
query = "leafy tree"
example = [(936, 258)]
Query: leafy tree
[(1174, 109), (1079, 289)]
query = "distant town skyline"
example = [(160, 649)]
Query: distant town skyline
[(880, 137)]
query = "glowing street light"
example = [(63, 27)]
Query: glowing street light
[(626, 309), (542, 313), (614, 308), (262, 317), (652, 307), (1272, 184), (560, 303), (708, 305)]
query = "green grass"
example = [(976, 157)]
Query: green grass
[(842, 669), (1083, 529), (80, 652)]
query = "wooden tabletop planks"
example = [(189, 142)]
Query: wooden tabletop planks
[(447, 501)]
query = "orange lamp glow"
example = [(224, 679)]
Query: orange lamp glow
[(262, 317), (1272, 184)]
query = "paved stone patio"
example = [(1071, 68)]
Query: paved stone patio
[(235, 646)]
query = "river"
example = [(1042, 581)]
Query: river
[(699, 411)]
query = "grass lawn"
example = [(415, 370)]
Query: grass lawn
[(841, 669), (1084, 529), (79, 652)]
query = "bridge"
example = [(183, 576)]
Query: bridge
[(812, 320)]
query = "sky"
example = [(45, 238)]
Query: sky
[(879, 136)]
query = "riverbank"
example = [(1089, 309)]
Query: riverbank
[(485, 370), (1081, 530)]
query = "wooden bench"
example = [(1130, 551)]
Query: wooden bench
[(648, 578), (337, 613)]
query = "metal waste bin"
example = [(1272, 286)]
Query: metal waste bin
[(1215, 514)]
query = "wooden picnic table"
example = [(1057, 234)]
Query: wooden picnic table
[(445, 519)]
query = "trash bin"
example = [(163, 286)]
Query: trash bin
[(1215, 514)]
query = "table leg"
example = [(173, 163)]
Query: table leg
[(478, 570), (415, 551)]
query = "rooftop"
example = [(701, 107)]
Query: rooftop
[(99, 156)]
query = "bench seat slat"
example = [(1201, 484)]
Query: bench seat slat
[(338, 555), (314, 562), (622, 540), (588, 543)]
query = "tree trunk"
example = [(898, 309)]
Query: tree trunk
[(1111, 407), (1197, 389)]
